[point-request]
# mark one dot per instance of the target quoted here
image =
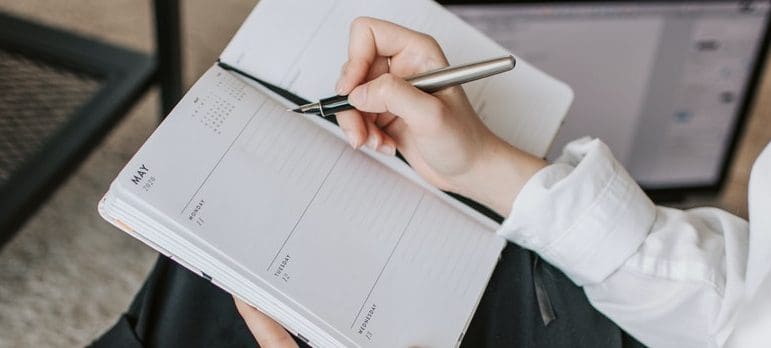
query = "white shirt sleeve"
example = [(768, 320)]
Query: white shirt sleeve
[(670, 278)]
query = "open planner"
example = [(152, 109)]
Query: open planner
[(343, 247)]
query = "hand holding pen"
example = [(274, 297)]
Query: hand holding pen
[(429, 82), (438, 133)]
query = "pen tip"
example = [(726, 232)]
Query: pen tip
[(307, 109), (293, 110)]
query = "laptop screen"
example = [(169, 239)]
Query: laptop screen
[(663, 84)]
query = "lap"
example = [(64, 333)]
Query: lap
[(178, 308), (510, 314)]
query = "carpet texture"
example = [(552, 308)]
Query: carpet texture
[(67, 275)]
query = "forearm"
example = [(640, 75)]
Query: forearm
[(498, 176)]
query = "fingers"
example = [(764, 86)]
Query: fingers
[(367, 130), (353, 125), (371, 38), (351, 122), (267, 332), (372, 43), (378, 139), (391, 94)]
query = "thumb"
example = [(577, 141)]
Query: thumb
[(388, 93), (268, 333)]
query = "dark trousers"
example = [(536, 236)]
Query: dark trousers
[(176, 308)]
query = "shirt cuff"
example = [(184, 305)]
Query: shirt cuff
[(584, 214)]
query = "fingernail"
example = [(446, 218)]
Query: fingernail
[(387, 149), (373, 143), (351, 139), (358, 96), (339, 87)]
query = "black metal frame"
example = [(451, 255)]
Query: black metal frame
[(125, 75), (751, 92), (168, 48)]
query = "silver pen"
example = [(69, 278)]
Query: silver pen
[(428, 82)]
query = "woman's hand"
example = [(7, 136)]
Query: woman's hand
[(439, 134), (268, 333)]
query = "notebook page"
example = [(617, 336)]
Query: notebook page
[(349, 242), (391, 162), (523, 106)]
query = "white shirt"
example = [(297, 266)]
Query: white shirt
[(670, 278)]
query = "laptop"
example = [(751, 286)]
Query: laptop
[(667, 85)]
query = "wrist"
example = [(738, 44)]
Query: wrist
[(498, 175)]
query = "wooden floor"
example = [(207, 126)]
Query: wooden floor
[(757, 134)]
